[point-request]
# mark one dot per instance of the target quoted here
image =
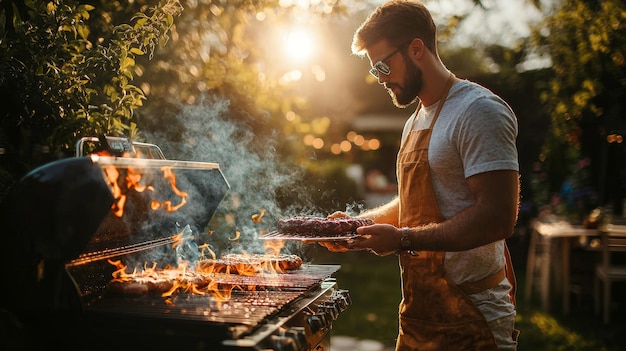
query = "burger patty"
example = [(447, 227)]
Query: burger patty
[(321, 226)]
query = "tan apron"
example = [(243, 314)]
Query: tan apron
[(435, 314)]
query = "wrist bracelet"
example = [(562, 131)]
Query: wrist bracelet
[(405, 241)]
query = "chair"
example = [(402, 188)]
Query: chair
[(613, 239)]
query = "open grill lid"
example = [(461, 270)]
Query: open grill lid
[(155, 199), (64, 209), (92, 206), (62, 214)]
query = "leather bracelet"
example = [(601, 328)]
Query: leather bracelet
[(405, 241)]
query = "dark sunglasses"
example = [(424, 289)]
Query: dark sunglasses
[(383, 67)]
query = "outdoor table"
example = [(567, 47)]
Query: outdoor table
[(552, 231)]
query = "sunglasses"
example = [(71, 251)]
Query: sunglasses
[(381, 66)]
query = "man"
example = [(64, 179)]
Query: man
[(458, 195)]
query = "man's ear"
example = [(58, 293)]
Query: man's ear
[(416, 48)]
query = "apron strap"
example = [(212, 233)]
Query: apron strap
[(494, 279), (510, 274), (483, 284)]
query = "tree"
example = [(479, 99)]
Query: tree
[(586, 42), (58, 85)]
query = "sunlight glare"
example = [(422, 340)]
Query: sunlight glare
[(290, 77), (299, 45)]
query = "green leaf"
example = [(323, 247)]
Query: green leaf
[(136, 51), (126, 63)]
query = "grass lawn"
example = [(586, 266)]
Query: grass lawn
[(374, 287)]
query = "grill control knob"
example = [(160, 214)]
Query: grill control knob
[(299, 336), (345, 296), (285, 343), (331, 309), (340, 302), (342, 299), (326, 319), (317, 322)]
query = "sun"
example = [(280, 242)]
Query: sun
[(299, 45)]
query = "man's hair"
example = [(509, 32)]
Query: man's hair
[(396, 21)]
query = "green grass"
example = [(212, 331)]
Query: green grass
[(374, 287)]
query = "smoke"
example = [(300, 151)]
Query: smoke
[(259, 181)]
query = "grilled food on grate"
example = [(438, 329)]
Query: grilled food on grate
[(250, 263), (155, 280)]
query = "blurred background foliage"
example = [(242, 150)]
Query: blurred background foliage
[(584, 98)]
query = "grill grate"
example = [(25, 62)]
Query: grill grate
[(296, 280), (243, 307), (268, 294)]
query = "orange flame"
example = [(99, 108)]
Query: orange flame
[(206, 247), (171, 177), (178, 239), (257, 217), (112, 174), (201, 279), (132, 181), (237, 235), (273, 247)]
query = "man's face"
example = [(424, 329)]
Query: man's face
[(404, 80), (406, 93)]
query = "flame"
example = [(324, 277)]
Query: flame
[(199, 281), (237, 235), (203, 248), (175, 286), (112, 174), (155, 205), (273, 247), (132, 181), (178, 239), (120, 269), (199, 278), (182, 280), (247, 270), (256, 218), (171, 177)]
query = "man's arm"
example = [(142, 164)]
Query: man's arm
[(492, 217), (387, 213)]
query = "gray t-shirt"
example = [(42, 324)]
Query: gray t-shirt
[(475, 132)]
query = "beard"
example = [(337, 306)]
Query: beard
[(413, 83)]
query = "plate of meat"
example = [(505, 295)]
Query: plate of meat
[(316, 228)]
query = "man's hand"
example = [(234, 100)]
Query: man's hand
[(380, 239)]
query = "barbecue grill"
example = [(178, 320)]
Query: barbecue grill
[(66, 222)]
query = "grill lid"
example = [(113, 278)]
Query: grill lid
[(155, 198), (91, 205), (61, 212)]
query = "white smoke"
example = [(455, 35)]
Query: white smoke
[(256, 178)]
